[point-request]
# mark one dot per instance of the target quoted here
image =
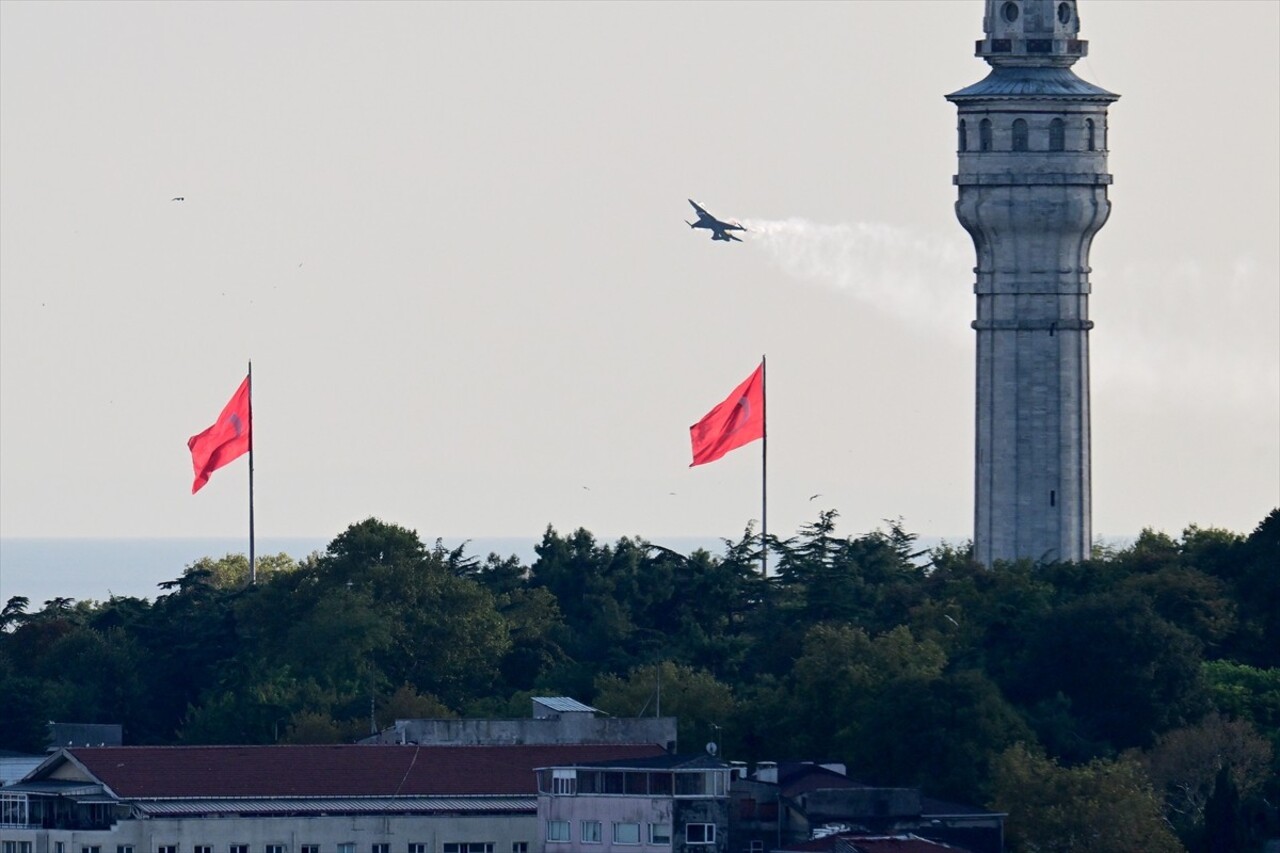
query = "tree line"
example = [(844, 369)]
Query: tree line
[(1130, 701)]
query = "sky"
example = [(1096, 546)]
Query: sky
[(449, 237)]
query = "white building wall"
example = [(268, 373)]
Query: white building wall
[(398, 831)]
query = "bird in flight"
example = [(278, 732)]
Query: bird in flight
[(177, 198)]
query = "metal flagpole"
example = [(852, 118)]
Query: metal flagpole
[(764, 472), (253, 563)]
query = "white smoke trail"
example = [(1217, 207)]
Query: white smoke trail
[(910, 276), (1213, 328)]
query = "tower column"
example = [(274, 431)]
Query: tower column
[(1032, 193)]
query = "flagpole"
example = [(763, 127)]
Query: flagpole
[(764, 472), (253, 563)]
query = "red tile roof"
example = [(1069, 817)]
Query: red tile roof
[(336, 770)]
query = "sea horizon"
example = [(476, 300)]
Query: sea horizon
[(96, 568)]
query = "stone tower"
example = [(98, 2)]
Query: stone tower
[(1032, 182)]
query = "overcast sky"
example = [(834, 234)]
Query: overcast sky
[(450, 239)]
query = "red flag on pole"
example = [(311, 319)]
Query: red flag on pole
[(737, 421), (228, 438)]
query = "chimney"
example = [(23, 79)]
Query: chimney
[(767, 771)]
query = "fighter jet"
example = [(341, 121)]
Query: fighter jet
[(719, 230)]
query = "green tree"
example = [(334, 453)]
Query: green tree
[(939, 733), (231, 572), (1100, 807), (1129, 675), (1183, 765), (702, 704), (842, 673)]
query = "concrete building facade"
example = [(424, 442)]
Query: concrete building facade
[(555, 720), (1032, 193), (663, 804), (288, 799)]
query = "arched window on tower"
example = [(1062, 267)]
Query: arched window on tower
[(1019, 135), (984, 134), (964, 137), (1088, 132), (1057, 135)]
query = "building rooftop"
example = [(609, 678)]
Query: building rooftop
[(696, 761), (564, 705), (168, 772)]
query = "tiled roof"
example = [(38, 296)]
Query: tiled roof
[(164, 772), (300, 806), (796, 779)]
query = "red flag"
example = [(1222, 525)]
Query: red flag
[(737, 421), (228, 438)]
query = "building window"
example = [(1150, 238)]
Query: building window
[(963, 143), (1088, 134), (206, 848), (659, 833), (91, 848), (626, 833), (124, 848), (519, 847), (419, 847), (345, 847), (1057, 135), (564, 782), (376, 848), (700, 833), (984, 134), (661, 784), (1019, 135), (315, 848), (557, 830), (244, 848), (467, 847), (59, 847), (592, 833), (167, 848), (279, 848)]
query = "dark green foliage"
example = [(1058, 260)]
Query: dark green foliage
[(1125, 674)]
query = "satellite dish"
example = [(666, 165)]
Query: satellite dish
[(712, 749)]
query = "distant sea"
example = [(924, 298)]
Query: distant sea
[(96, 569)]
